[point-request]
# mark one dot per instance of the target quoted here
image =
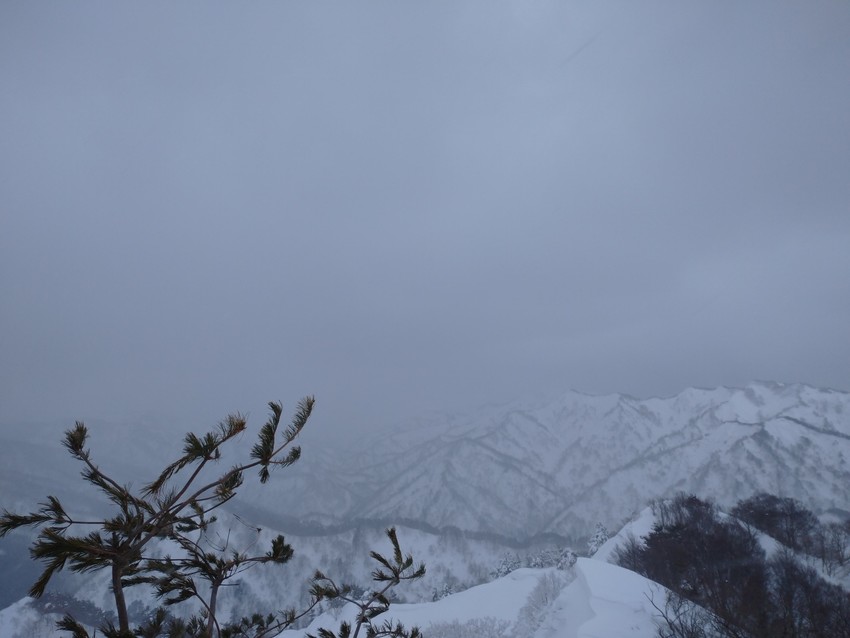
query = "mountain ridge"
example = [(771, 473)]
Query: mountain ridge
[(527, 468), (560, 466)]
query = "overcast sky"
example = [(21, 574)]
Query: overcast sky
[(411, 206)]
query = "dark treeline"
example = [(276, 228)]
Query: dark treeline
[(715, 562)]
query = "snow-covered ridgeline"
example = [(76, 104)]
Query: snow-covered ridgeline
[(559, 466)]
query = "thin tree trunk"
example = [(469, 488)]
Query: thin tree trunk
[(213, 598), (120, 602)]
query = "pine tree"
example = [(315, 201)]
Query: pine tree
[(177, 505)]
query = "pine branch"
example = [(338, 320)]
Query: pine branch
[(299, 419), (84, 554), (205, 448), (305, 407), (155, 626), (10, 521), (69, 624), (263, 450), (396, 630), (391, 534), (49, 512), (281, 551), (75, 440)]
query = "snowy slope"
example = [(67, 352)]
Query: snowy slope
[(597, 599), (21, 620), (602, 601)]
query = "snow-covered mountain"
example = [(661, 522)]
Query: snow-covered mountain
[(595, 599), (517, 470), (590, 598), (560, 466), (514, 471)]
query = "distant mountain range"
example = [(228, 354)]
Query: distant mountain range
[(504, 476), (515, 471), (558, 467)]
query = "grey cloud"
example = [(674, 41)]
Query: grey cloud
[(406, 207)]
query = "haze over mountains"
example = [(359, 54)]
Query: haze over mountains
[(559, 466), (516, 470)]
